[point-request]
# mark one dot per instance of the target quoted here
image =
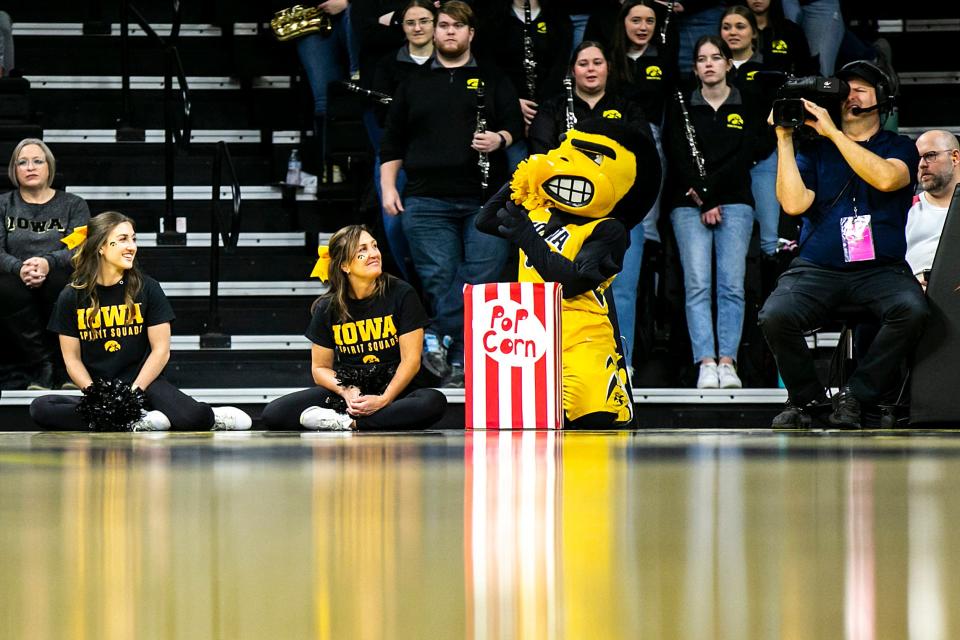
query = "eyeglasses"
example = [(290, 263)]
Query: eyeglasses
[(410, 24), (23, 163), (931, 156)]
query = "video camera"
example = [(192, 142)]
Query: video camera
[(788, 108)]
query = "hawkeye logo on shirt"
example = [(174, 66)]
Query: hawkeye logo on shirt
[(654, 72), (473, 83), (613, 114), (110, 322), (541, 27), (37, 226), (366, 336), (734, 121), (111, 346), (751, 74), (778, 46)]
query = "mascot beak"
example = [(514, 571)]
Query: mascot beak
[(572, 191)]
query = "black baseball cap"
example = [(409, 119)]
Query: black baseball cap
[(866, 71)]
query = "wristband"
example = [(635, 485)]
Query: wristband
[(503, 140)]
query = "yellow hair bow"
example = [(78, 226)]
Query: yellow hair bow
[(322, 268), (76, 238)]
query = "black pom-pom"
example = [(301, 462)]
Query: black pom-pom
[(371, 379), (110, 405)]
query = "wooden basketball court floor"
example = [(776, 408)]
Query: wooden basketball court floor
[(452, 534)]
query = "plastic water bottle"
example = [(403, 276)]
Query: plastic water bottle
[(293, 168)]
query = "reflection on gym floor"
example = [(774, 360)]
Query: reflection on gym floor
[(479, 535)]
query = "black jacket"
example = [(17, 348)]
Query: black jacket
[(725, 138), (374, 40), (551, 120), (651, 79), (581, 7), (784, 47), (499, 41), (758, 82), (431, 123), (391, 71)]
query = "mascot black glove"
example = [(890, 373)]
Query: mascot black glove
[(514, 224)]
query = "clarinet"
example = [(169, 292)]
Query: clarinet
[(484, 160), (571, 116), (379, 96), (691, 136), (666, 23), (529, 62)]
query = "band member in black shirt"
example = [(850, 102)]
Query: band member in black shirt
[(448, 127), (712, 210)]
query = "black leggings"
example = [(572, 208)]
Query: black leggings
[(416, 409), (186, 414), (24, 315)]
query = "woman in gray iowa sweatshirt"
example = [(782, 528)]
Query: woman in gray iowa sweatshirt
[(34, 264)]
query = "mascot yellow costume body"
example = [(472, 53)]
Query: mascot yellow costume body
[(569, 212)]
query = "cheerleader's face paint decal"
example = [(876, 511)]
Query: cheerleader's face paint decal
[(586, 176), (366, 261)]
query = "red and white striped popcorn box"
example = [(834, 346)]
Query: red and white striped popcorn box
[(512, 363)]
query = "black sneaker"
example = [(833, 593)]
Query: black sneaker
[(454, 380), (796, 415), (434, 356), (42, 380), (846, 410)]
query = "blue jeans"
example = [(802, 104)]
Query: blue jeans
[(692, 28), (823, 25), (326, 59), (763, 182), (392, 226), (579, 21), (516, 153), (448, 252), (6, 42), (697, 244), (625, 285)]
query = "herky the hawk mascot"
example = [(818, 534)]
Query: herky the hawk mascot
[(570, 212)]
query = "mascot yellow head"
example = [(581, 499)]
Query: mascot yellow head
[(602, 168)]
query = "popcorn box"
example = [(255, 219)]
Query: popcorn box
[(512, 363)]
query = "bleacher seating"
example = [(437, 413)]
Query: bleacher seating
[(244, 90)]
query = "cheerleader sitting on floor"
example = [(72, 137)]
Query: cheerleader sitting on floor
[(114, 326), (367, 335)]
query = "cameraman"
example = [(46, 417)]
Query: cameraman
[(853, 186)]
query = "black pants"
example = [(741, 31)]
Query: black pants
[(417, 409), (803, 300), (185, 414), (24, 313)]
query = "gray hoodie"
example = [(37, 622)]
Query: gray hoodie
[(35, 230)]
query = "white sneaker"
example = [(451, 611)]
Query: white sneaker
[(325, 419), (728, 376), (708, 379), (230, 419), (152, 421)]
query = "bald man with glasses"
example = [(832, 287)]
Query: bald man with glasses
[(938, 175)]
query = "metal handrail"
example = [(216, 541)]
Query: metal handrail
[(174, 136), (213, 337)]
